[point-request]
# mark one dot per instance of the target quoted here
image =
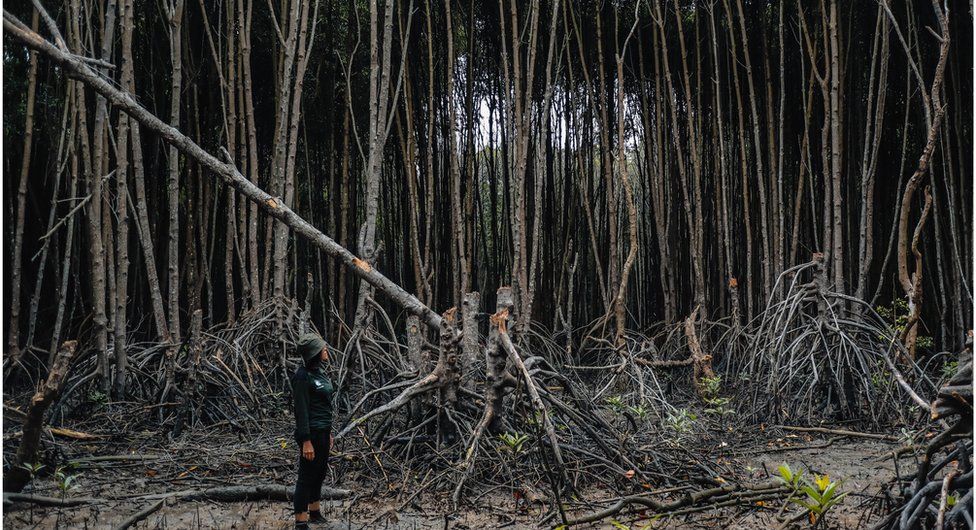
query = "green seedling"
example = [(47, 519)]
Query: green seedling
[(513, 442), (817, 496)]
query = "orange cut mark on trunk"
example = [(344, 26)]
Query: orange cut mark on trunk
[(272, 203), (499, 320), (362, 264)]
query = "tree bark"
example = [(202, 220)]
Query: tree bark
[(47, 392), (13, 329)]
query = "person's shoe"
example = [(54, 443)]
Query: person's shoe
[(315, 516), (301, 525)]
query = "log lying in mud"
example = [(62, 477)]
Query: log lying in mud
[(19, 475), (259, 492)]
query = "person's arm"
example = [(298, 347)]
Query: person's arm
[(300, 396)]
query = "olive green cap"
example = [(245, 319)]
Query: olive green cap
[(310, 345)]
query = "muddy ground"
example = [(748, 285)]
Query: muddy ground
[(217, 457)]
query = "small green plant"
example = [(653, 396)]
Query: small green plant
[(33, 470), (709, 388), (896, 313), (718, 406), (100, 399), (65, 481), (817, 496), (616, 403), (681, 421), (906, 437), (949, 369), (789, 477), (821, 496), (897, 317), (639, 411), (513, 442)]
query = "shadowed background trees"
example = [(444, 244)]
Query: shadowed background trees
[(617, 164)]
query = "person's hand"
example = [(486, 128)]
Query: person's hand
[(308, 452)]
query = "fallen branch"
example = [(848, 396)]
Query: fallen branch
[(841, 432), (140, 515), (41, 500)]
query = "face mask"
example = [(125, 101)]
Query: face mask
[(318, 367)]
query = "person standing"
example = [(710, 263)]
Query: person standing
[(312, 391)]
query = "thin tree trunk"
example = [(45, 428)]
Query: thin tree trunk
[(13, 329), (174, 15)]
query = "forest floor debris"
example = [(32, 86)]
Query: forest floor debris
[(131, 474)]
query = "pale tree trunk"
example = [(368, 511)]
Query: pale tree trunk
[(145, 235), (65, 151), (758, 157), (174, 15), (743, 166), (461, 273), (687, 197), (542, 133), (723, 184), (620, 301), (409, 147), (872, 140), (66, 261), (94, 170), (836, 167), (803, 170), (379, 77), (606, 162), (142, 214), (518, 105), (696, 225), (286, 131), (662, 215), (13, 330), (122, 208), (244, 28)]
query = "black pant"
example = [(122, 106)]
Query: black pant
[(311, 473)]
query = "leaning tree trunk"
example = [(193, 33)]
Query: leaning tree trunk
[(225, 170)]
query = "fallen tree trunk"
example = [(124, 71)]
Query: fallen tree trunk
[(269, 492), (77, 68), (19, 474)]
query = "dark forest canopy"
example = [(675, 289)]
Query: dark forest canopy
[(605, 159)]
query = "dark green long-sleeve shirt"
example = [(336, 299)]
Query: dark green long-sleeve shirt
[(312, 391)]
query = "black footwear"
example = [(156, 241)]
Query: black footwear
[(315, 516), (301, 525)]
